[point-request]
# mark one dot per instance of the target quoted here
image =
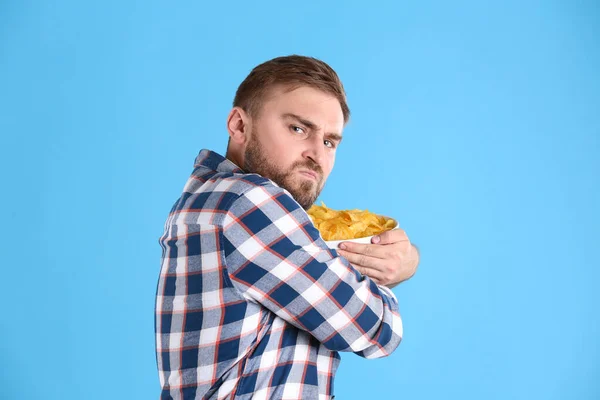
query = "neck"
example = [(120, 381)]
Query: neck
[(235, 157)]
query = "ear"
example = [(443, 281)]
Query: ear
[(238, 125)]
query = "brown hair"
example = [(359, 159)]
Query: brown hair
[(294, 71)]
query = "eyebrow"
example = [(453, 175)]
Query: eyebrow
[(311, 125)]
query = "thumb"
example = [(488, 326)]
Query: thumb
[(389, 237)]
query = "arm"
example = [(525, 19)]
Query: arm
[(389, 260), (407, 268), (276, 257), (409, 264)]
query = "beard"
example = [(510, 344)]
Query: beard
[(304, 191)]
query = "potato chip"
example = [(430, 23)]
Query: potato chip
[(348, 224)]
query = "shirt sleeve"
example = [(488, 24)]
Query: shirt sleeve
[(276, 257)]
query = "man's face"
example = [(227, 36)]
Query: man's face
[(294, 139)]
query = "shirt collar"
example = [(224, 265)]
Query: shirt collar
[(216, 162)]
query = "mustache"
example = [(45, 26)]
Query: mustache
[(311, 166)]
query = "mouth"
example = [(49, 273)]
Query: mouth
[(309, 174)]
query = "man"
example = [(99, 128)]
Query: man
[(250, 301)]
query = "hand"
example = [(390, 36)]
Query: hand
[(389, 260)]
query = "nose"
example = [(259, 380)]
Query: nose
[(315, 150)]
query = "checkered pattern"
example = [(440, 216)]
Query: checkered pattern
[(250, 301)]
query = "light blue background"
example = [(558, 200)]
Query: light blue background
[(475, 124)]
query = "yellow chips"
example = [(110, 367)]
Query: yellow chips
[(348, 224)]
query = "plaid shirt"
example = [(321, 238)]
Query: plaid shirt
[(251, 303)]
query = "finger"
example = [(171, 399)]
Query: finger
[(369, 250), (389, 237), (362, 260), (370, 272)]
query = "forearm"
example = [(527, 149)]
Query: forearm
[(295, 276)]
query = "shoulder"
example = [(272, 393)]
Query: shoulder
[(209, 200), (252, 191)]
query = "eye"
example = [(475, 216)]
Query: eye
[(298, 130), (329, 143)]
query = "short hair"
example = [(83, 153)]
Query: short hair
[(293, 71)]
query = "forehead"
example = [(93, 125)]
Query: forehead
[(320, 107)]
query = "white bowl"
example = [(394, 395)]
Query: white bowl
[(333, 244)]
